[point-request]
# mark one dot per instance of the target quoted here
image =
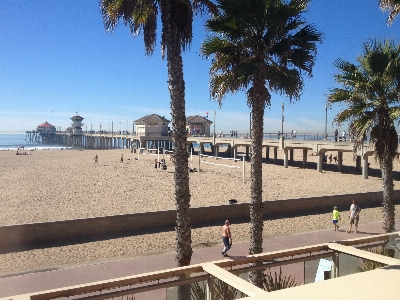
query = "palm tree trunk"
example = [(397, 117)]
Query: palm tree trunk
[(256, 205), (176, 86), (386, 164)]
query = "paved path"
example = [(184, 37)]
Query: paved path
[(39, 280)]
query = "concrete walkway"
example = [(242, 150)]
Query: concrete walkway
[(62, 276)]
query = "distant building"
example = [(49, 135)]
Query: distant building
[(152, 125), (46, 128), (76, 126), (198, 125), (46, 131)]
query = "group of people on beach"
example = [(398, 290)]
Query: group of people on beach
[(326, 157), (354, 215), (160, 164), (22, 153)]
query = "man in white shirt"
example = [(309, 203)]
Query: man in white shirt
[(354, 215)]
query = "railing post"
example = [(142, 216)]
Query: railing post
[(335, 265), (244, 172), (199, 155), (210, 288)]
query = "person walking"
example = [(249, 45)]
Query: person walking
[(122, 159), (354, 216), (335, 218), (96, 160), (343, 136), (226, 238), (155, 164)]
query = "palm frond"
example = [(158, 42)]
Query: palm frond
[(392, 6), (370, 92), (264, 37), (138, 16)]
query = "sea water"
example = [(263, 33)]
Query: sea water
[(13, 141)]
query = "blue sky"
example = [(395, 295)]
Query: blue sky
[(56, 59)]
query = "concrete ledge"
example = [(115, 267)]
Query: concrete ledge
[(90, 229)]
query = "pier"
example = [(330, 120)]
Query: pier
[(271, 146)]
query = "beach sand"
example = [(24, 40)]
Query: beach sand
[(50, 185)]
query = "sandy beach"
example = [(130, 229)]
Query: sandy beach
[(51, 185)]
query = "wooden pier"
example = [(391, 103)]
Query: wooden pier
[(136, 143)]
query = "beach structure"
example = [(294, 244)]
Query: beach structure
[(74, 136), (198, 125), (33, 136), (156, 131), (76, 126), (46, 127), (316, 148), (44, 132), (152, 125)]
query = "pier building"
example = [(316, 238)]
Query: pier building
[(152, 125), (198, 125), (44, 132)]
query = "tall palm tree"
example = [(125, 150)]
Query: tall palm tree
[(259, 46), (393, 6), (370, 92), (140, 16)]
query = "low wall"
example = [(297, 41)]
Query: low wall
[(72, 231)]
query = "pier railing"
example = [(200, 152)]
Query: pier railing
[(228, 274)]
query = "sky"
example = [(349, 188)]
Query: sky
[(56, 60)]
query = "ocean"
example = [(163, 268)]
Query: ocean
[(13, 141)]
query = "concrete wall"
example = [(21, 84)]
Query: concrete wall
[(69, 231)]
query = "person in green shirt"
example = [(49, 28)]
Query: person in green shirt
[(335, 218)]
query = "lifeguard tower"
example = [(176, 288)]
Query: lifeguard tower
[(77, 124), (76, 134)]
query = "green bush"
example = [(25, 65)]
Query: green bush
[(278, 282)]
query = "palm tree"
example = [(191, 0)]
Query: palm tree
[(259, 46), (370, 92), (140, 16), (393, 6)]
